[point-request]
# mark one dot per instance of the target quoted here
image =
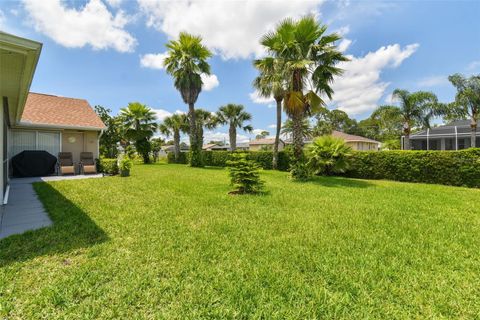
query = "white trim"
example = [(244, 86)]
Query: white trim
[(456, 138), (7, 194), (428, 139), (20, 125)]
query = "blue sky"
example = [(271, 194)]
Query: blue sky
[(110, 51)]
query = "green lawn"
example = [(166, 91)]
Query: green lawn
[(168, 242)]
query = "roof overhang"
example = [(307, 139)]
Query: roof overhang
[(29, 125), (18, 61)]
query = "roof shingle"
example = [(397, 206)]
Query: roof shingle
[(44, 109)]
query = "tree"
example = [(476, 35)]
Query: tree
[(467, 102), (186, 62), (139, 124), (328, 155), (156, 147), (111, 135), (235, 116), (174, 126), (307, 56), (384, 124), (330, 120), (262, 135), (307, 132), (272, 82), (244, 174), (415, 109), (205, 119)]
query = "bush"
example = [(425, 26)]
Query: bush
[(328, 155), (244, 174), (220, 158), (108, 166), (456, 168)]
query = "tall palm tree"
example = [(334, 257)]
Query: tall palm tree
[(205, 119), (416, 109), (308, 58), (186, 62), (271, 82), (174, 126), (467, 101), (234, 115), (139, 124)]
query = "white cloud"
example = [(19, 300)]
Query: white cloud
[(209, 82), (93, 25), (222, 136), (2, 18), (257, 98), (153, 60), (272, 126), (433, 81), (344, 44), (390, 99), (230, 28), (258, 131), (360, 87), (474, 65), (114, 3), (162, 113)]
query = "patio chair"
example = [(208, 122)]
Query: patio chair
[(65, 163), (87, 164)]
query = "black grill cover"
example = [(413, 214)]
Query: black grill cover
[(33, 164)]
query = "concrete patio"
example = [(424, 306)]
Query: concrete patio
[(24, 211)]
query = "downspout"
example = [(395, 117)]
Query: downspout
[(428, 138)]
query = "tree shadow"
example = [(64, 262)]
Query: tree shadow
[(340, 182), (72, 229)]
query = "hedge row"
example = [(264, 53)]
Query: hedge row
[(219, 158), (456, 168), (108, 166)]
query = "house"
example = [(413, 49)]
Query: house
[(171, 148), (244, 146), (453, 136), (265, 144), (32, 121), (357, 143)]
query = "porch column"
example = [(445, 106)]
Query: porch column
[(442, 144)]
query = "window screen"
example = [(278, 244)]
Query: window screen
[(49, 141), (23, 140)]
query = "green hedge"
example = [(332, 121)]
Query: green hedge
[(108, 166), (456, 168), (219, 158)]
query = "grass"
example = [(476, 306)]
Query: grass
[(168, 242)]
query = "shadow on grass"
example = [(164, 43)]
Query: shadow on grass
[(72, 229), (340, 182)]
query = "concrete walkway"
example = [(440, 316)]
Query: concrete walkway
[(24, 210)]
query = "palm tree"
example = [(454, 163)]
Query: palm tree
[(467, 101), (271, 82), (205, 119), (174, 126), (307, 131), (308, 57), (235, 116), (186, 62), (139, 124), (416, 109)]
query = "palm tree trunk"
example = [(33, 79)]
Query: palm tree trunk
[(232, 133), (277, 133), (473, 133), (176, 142), (406, 139), (297, 136), (195, 156)]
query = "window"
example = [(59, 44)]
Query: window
[(35, 140)]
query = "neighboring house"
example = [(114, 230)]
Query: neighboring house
[(171, 148), (244, 146), (265, 144), (36, 121), (357, 143), (453, 136)]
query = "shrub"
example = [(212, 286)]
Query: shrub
[(244, 174), (125, 164), (456, 168), (220, 158), (328, 155), (108, 166)]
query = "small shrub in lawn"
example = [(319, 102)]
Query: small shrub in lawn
[(328, 156), (107, 166), (125, 165), (244, 174)]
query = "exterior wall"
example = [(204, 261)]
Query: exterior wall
[(91, 142), (362, 145), (2, 124)]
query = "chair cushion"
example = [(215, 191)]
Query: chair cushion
[(89, 169), (67, 169)]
